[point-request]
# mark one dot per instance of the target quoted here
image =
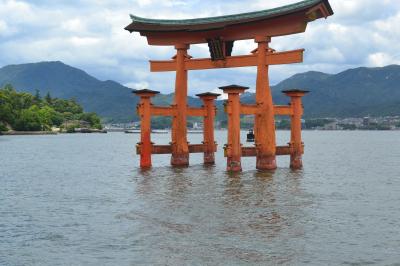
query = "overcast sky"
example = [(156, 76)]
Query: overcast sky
[(89, 34)]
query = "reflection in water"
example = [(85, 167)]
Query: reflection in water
[(178, 184), (233, 187), (255, 209)]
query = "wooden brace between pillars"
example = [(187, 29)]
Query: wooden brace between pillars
[(172, 110), (295, 110), (146, 109)]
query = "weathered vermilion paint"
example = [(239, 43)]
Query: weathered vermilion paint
[(296, 144), (144, 111), (208, 126), (233, 149), (145, 147), (264, 122), (180, 149)]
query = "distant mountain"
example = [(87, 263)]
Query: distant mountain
[(107, 98), (354, 92)]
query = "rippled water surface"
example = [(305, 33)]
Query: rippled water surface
[(81, 200)]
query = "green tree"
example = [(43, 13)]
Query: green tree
[(29, 120), (70, 106), (92, 119), (6, 114), (37, 97), (48, 99), (24, 111), (48, 117), (3, 127)]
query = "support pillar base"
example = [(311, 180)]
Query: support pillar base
[(233, 165), (145, 154), (266, 162), (209, 158), (180, 159), (145, 165), (296, 161)]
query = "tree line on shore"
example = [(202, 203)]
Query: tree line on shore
[(21, 111)]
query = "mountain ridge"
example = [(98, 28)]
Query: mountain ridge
[(352, 92)]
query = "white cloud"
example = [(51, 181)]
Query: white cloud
[(144, 2), (74, 25), (19, 11), (89, 34), (5, 29), (137, 86), (83, 41), (381, 59), (262, 4)]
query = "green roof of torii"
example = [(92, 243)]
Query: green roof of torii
[(146, 24)]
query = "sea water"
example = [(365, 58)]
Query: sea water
[(77, 199)]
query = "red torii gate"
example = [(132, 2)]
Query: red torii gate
[(220, 33)]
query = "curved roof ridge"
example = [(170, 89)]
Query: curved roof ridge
[(249, 15)]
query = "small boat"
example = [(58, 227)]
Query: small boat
[(250, 136)]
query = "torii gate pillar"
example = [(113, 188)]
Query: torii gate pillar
[(264, 122), (144, 108), (180, 148), (296, 144), (233, 149), (208, 99)]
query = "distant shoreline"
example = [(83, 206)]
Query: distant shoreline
[(38, 133), (23, 133)]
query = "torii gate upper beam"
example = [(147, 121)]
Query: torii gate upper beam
[(288, 57)]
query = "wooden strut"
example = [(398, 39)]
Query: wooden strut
[(233, 150), (145, 110)]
